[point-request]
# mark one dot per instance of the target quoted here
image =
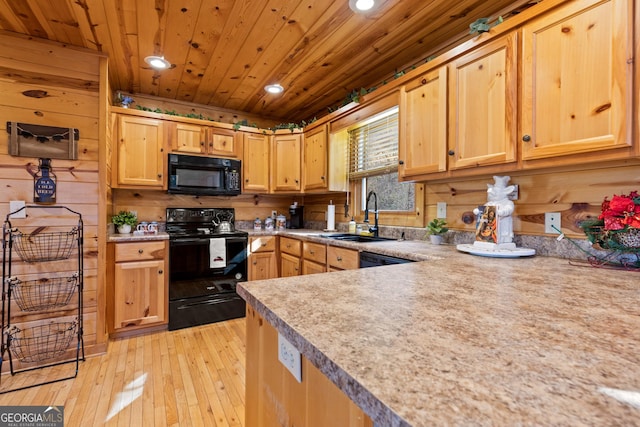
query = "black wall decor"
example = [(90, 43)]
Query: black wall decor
[(44, 183), (27, 140)]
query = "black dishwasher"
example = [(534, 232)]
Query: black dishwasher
[(370, 259)]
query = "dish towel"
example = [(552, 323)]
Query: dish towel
[(217, 253)]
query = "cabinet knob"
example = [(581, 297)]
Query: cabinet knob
[(297, 181), (246, 180), (159, 175), (255, 263), (312, 252), (401, 162), (451, 152), (160, 271), (140, 251), (202, 143), (322, 178), (264, 244), (339, 258), (526, 138)]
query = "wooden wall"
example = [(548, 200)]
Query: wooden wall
[(73, 94), (576, 194)]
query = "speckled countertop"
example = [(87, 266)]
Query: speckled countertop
[(466, 340), (117, 237)]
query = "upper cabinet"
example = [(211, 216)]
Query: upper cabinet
[(315, 159), (286, 152), (423, 125), (185, 137), (223, 142), (255, 163), (140, 156), (483, 105), (577, 81)]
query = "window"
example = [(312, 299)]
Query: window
[(373, 166)]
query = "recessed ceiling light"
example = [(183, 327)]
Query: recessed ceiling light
[(157, 62), (275, 88), (361, 5)]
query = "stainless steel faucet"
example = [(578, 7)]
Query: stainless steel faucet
[(373, 229)]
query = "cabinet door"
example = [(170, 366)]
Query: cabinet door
[(482, 119), (315, 159), (223, 142), (186, 138), (423, 125), (576, 80), (310, 267), (140, 154), (289, 265), (255, 163), (342, 258), (139, 293), (285, 163), (262, 265)]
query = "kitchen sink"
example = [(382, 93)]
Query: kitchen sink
[(356, 238)]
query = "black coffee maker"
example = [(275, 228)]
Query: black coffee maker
[(295, 212)]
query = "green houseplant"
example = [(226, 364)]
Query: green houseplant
[(435, 229), (124, 220)]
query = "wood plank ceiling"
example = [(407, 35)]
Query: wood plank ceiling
[(225, 51)]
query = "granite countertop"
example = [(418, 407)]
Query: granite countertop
[(117, 237), (465, 340)]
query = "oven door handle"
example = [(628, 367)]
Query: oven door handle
[(190, 240)]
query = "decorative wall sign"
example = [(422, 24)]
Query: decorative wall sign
[(44, 183), (27, 140)]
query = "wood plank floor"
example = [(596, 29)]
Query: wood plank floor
[(189, 377)]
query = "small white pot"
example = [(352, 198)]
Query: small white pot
[(124, 229), (436, 239)]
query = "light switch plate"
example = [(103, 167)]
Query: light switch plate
[(289, 356), (441, 211), (14, 205)]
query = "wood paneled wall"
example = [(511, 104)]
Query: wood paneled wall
[(576, 194), (71, 83)]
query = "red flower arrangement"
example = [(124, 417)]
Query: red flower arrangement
[(621, 212)]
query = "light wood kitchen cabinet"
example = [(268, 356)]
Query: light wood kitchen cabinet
[(139, 285), (140, 157), (263, 263), (290, 256), (342, 258), (286, 151), (315, 159), (256, 163), (577, 82), (314, 258), (185, 138), (273, 394), (223, 142), (483, 105), (422, 148)]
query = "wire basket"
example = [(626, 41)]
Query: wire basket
[(44, 293), (39, 247), (42, 342)]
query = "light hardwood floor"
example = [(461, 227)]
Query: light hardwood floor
[(189, 377)]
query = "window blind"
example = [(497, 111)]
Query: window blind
[(373, 146)]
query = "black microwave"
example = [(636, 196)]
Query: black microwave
[(204, 176)]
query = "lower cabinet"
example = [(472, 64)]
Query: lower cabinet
[(290, 253), (314, 258), (138, 285), (263, 263), (342, 258), (275, 398)]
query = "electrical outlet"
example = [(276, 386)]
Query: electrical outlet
[(274, 214), (551, 220), (289, 356), (14, 205), (441, 210)]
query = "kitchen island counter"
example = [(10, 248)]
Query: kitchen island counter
[(466, 340)]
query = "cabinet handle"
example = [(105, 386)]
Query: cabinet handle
[(339, 258), (159, 175), (526, 138), (246, 180), (264, 244), (451, 152), (255, 262), (322, 178), (202, 143), (140, 251), (297, 181), (160, 271), (401, 162), (312, 252), (128, 302)]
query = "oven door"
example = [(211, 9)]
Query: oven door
[(190, 260)]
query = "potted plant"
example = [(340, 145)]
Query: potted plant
[(124, 220), (435, 229)]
